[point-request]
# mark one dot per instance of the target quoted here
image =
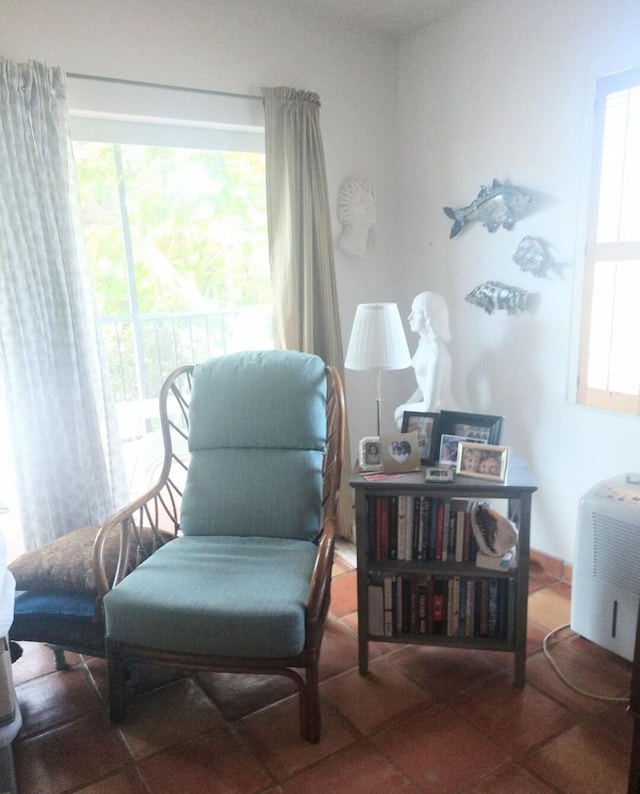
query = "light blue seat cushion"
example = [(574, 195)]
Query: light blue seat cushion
[(257, 436), (227, 596)]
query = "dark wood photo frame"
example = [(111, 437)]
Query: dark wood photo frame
[(426, 426), (481, 428)]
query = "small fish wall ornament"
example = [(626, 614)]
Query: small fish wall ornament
[(532, 255), (495, 206), (494, 295)]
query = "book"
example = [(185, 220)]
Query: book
[(393, 527), (388, 601), (402, 526), (376, 605), (382, 517), (408, 544), (502, 563)]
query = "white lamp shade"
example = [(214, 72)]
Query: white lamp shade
[(377, 339)]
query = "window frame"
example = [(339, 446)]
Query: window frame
[(595, 252)]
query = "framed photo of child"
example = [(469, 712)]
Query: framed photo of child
[(400, 452), (482, 461), (426, 426), (370, 454)]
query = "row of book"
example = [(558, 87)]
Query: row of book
[(430, 605), (411, 527)]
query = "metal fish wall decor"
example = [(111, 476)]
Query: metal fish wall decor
[(494, 295), (532, 255), (495, 206)]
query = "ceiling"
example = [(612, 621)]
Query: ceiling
[(392, 17)]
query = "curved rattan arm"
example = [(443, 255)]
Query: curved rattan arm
[(319, 587), (144, 523)]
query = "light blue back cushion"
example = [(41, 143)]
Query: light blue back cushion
[(257, 434)]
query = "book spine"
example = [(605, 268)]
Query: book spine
[(422, 605), (439, 532), (439, 607), (388, 606), (393, 527), (383, 527), (402, 526), (462, 608), (376, 605)]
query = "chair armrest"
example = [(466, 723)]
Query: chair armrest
[(153, 518), (144, 525), (320, 584)]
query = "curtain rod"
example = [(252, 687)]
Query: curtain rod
[(161, 85)]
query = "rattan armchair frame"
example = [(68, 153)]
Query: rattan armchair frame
[(159, 509)]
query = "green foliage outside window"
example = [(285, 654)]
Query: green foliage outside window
[(192, 225)]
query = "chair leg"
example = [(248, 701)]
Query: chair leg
[(59, 657), (634, 765), (117, 672), (312, 711)]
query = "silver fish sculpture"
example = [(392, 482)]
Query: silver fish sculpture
[(532, 255), (494, 295), (495, 206)]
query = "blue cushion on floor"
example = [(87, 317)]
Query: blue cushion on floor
[(227, 596)]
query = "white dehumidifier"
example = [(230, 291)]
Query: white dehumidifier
[(606, 569)]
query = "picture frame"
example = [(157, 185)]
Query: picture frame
[(480, 428), (482, 461), (370, 454), (448, 451), (426, 426), (400, 452)]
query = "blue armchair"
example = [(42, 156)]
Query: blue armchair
[(245, 586)]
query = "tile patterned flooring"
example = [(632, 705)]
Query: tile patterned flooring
[(422, 720)]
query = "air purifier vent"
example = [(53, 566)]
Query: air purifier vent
[(616, 553)]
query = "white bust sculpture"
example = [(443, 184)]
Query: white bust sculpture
[(357, 214), (432, 363)]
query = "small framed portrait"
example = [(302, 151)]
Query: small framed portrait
[(426, 426), (449, 449), (370, 454), (400, 452), (483, 461), (476, 427)]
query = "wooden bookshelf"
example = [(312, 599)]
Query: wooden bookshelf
[(418, 582)]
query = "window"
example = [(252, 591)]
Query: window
[(173, 200), (609, 368), (177, 246)]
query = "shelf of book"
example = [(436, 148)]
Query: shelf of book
[(422, 578)]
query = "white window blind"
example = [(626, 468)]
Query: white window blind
[(609, 374)]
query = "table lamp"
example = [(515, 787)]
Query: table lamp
[(377, 342)]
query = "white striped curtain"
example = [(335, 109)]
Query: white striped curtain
[(306, 314), (66, 453)]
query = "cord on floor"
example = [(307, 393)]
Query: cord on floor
[(565, 680)]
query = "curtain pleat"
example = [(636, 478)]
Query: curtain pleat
[(306, 314), (66, 453)]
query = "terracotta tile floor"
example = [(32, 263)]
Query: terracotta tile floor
[(422, 720)]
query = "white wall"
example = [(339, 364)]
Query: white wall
[(502, 90), (239, 46), (498, 90)]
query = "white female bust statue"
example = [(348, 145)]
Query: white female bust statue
[(357, 214), (432, 363)]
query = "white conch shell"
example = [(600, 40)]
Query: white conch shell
[(494, 533)]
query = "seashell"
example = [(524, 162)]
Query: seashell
[(494, 533)]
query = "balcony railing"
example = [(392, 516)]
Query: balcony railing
[(142, 351)]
